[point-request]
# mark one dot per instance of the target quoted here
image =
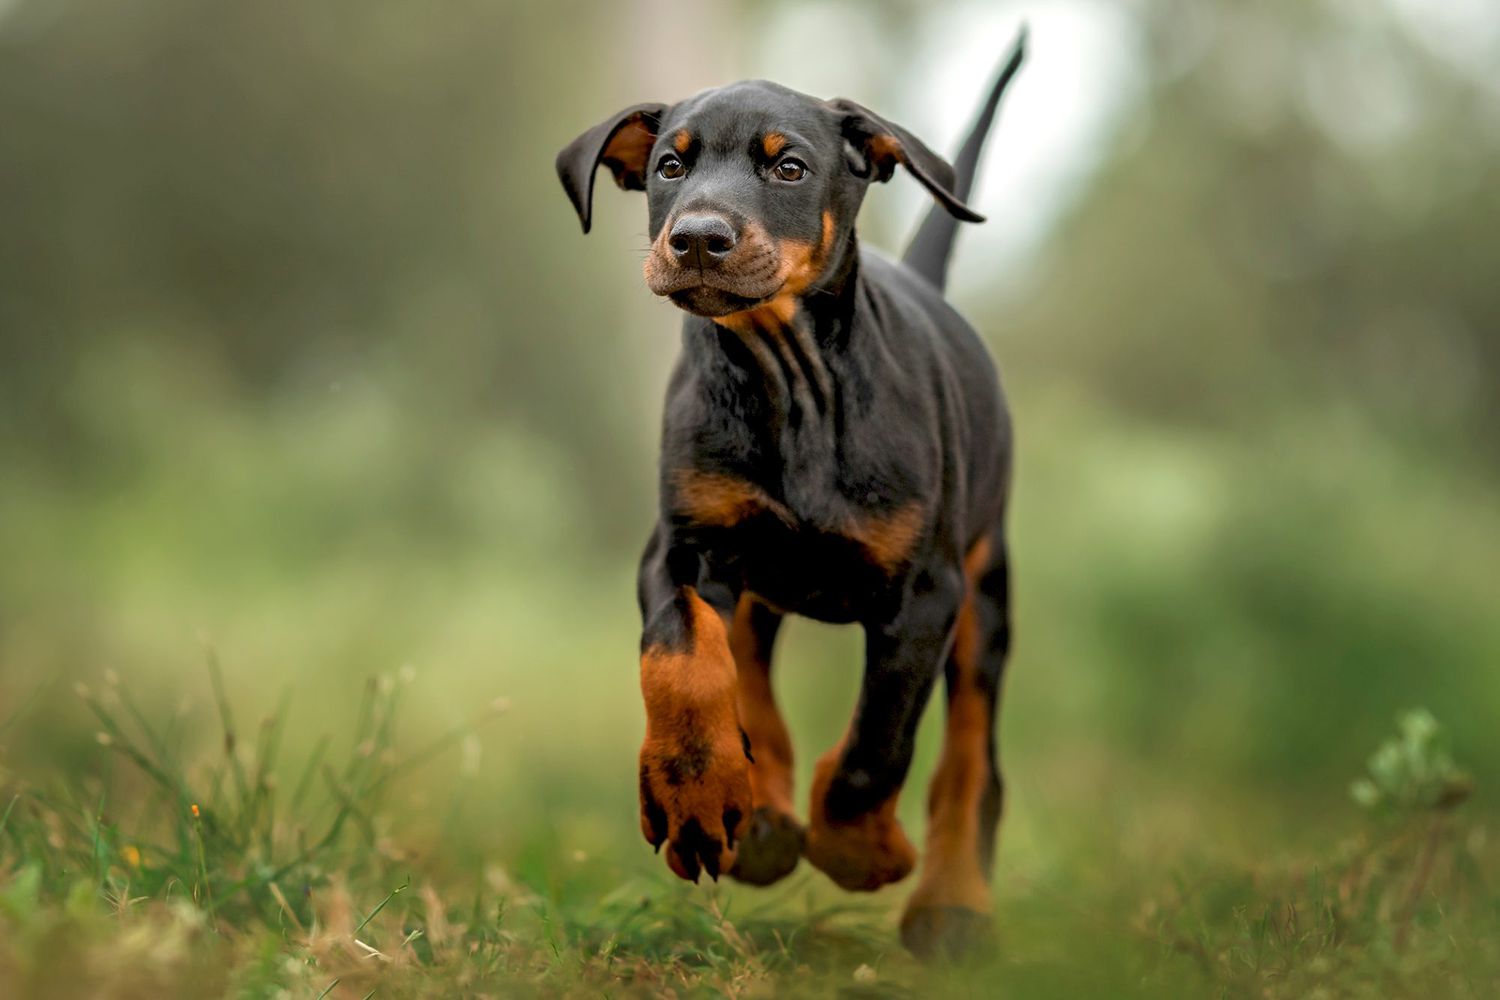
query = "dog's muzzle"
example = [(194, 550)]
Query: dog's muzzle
[(707, 267)]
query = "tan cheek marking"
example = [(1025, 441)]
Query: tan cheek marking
[(682, 140), (714, 499), (771, 316), (889, 538), (773, 143), (801, 264), (657, 261)]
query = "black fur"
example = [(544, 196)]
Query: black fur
[(929, 250)]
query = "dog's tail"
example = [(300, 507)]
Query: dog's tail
[(930, 249)]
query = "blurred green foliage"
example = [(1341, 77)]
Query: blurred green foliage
[(297, 335), (301, 352)]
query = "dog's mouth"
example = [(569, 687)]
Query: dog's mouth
[(708, 300), (741, 282), (713, 291)]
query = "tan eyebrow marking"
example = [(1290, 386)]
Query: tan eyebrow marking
[(773, 143), (682, 140)]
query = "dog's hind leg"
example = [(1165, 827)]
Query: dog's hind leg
[(773, 840), (853, 834), (949, 911)]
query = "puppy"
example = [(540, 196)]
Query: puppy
[(835, 444)]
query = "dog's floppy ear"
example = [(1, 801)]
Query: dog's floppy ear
[(622, 143), (880, 144)]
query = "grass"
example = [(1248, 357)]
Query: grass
[(1190, 699), (184, 871)]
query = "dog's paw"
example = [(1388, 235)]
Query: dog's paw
[(945, 932), (695, 799), (863, 852), (771, 848), (862, 855)]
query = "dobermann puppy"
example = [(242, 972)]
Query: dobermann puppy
[(835, 444)]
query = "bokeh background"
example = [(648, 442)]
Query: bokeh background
[(304, 360)]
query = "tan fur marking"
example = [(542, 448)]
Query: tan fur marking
[(709, 685), (951, 871), (801, 265), (770, 742), (764, 318), (773, 143), (886, 150), (712, 498), (630, 147), (890, 538), (682, 140), (692, 724), (658, 263), (865, 854)]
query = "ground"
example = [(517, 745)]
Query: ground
[(236, 873), (431, 685)]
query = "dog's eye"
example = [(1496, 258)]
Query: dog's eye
[(791, 170), (670, 168)]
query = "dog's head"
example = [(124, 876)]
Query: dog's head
[(752, 189)]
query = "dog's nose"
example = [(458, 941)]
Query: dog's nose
[(701, 240)]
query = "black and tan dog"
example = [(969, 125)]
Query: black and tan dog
[(835, 445)]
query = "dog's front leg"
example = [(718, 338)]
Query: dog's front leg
[(694, 763), (853, 834)]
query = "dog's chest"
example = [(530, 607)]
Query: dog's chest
[(819, 549), (819, 507)]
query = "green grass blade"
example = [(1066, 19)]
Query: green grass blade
[(5, 820), (388, 897), (226, 720)]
